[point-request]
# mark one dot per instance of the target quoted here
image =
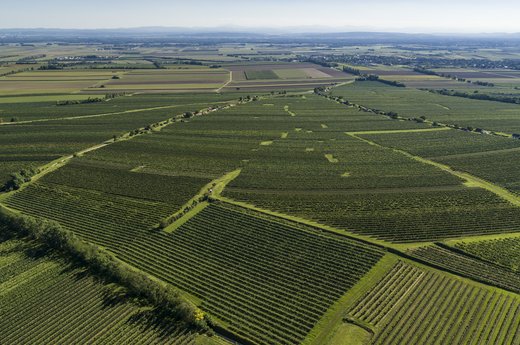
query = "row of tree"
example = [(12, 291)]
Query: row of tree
[(17, 179), (452, 77), (371, 77), (103, 264), (107, 96), (81, 101), (480, 96)]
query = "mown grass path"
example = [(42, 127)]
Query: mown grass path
[(214, 188), (469, 180)]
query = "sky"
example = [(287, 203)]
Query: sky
[(429, 16)]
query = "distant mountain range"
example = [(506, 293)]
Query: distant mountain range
[(230, 33)]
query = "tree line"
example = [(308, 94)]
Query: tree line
[(479, 96), (101, 263), (371, 77), (17, 179), (452, 77)]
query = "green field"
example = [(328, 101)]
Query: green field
[(274, 291), (222, 192), (46, 301), (409, 102), (45, 132), (503, 252), (416, 306), (477, 154), (470, 267)]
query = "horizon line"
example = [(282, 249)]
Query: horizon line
[(265, 29)]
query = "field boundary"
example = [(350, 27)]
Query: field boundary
[(157, 126), (227, 83), (394, 131), (324, 330), (470, 180), (193, 206)]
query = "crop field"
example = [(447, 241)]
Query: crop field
[(448, 143), (106, 203), (30, 111), (415, 306), (115, 215), (33, 145), (272, 291), (269, 76), (406, 75), (345, 192), (485, 166), (197, 255), (398, 217), (349, 191), (498, 77), (287, 73), (254, 75), (478, 270), (503, 83), (408, 102), (221, 192), (45, 301), (35, 140), (10, 68), (477, 154), (111, 80), (504, 252), (45, 82), (167, 81)]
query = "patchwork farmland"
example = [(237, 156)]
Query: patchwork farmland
[(257, 193)]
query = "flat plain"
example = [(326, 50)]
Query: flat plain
[(267, 193)]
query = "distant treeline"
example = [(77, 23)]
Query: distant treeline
[(428, 61), (371, 77), (320, 60), (30, 59), (479, 96), (453, 77), (90, 99), (81, 101), (351, 70), (16, 71)]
